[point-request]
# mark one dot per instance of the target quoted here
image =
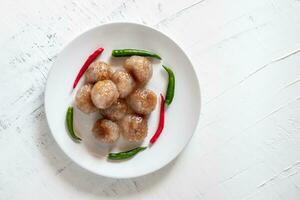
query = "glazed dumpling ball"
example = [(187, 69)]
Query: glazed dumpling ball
[(104, 94), (83, 99), (124, 82), (133, 127), (98, 71), (116, 111), (106, 131), (142, 101), (140, 68)]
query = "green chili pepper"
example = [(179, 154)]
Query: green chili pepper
[(171, 86), (125, 154), (131, 52), (69, 122)]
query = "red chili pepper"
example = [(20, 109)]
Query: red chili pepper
[(161, 121), (87, 63)]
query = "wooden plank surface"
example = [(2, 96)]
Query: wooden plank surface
[(247, 58)]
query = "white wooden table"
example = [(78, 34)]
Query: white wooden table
[(247, 58)]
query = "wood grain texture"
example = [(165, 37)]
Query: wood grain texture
[(247, 58)]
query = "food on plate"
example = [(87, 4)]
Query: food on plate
[(83, 99), (116, 111), (104, 94), (142, 101), (124, 82), (132, 52), (106, 89), (87, 63), (97, 71), (125, 154), (161, 122), (69, 122), (133, 127), (140, 68), (106, 130), (171, 86)]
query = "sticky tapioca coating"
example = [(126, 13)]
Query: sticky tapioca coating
[(104, 94), (83, 99)]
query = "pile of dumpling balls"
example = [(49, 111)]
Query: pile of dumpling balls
[(121, 98)]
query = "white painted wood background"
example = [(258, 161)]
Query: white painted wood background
[(247, 58)]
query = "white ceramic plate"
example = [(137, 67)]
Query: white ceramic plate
[(181, 116)]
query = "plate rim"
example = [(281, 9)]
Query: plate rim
[(64, 47)]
